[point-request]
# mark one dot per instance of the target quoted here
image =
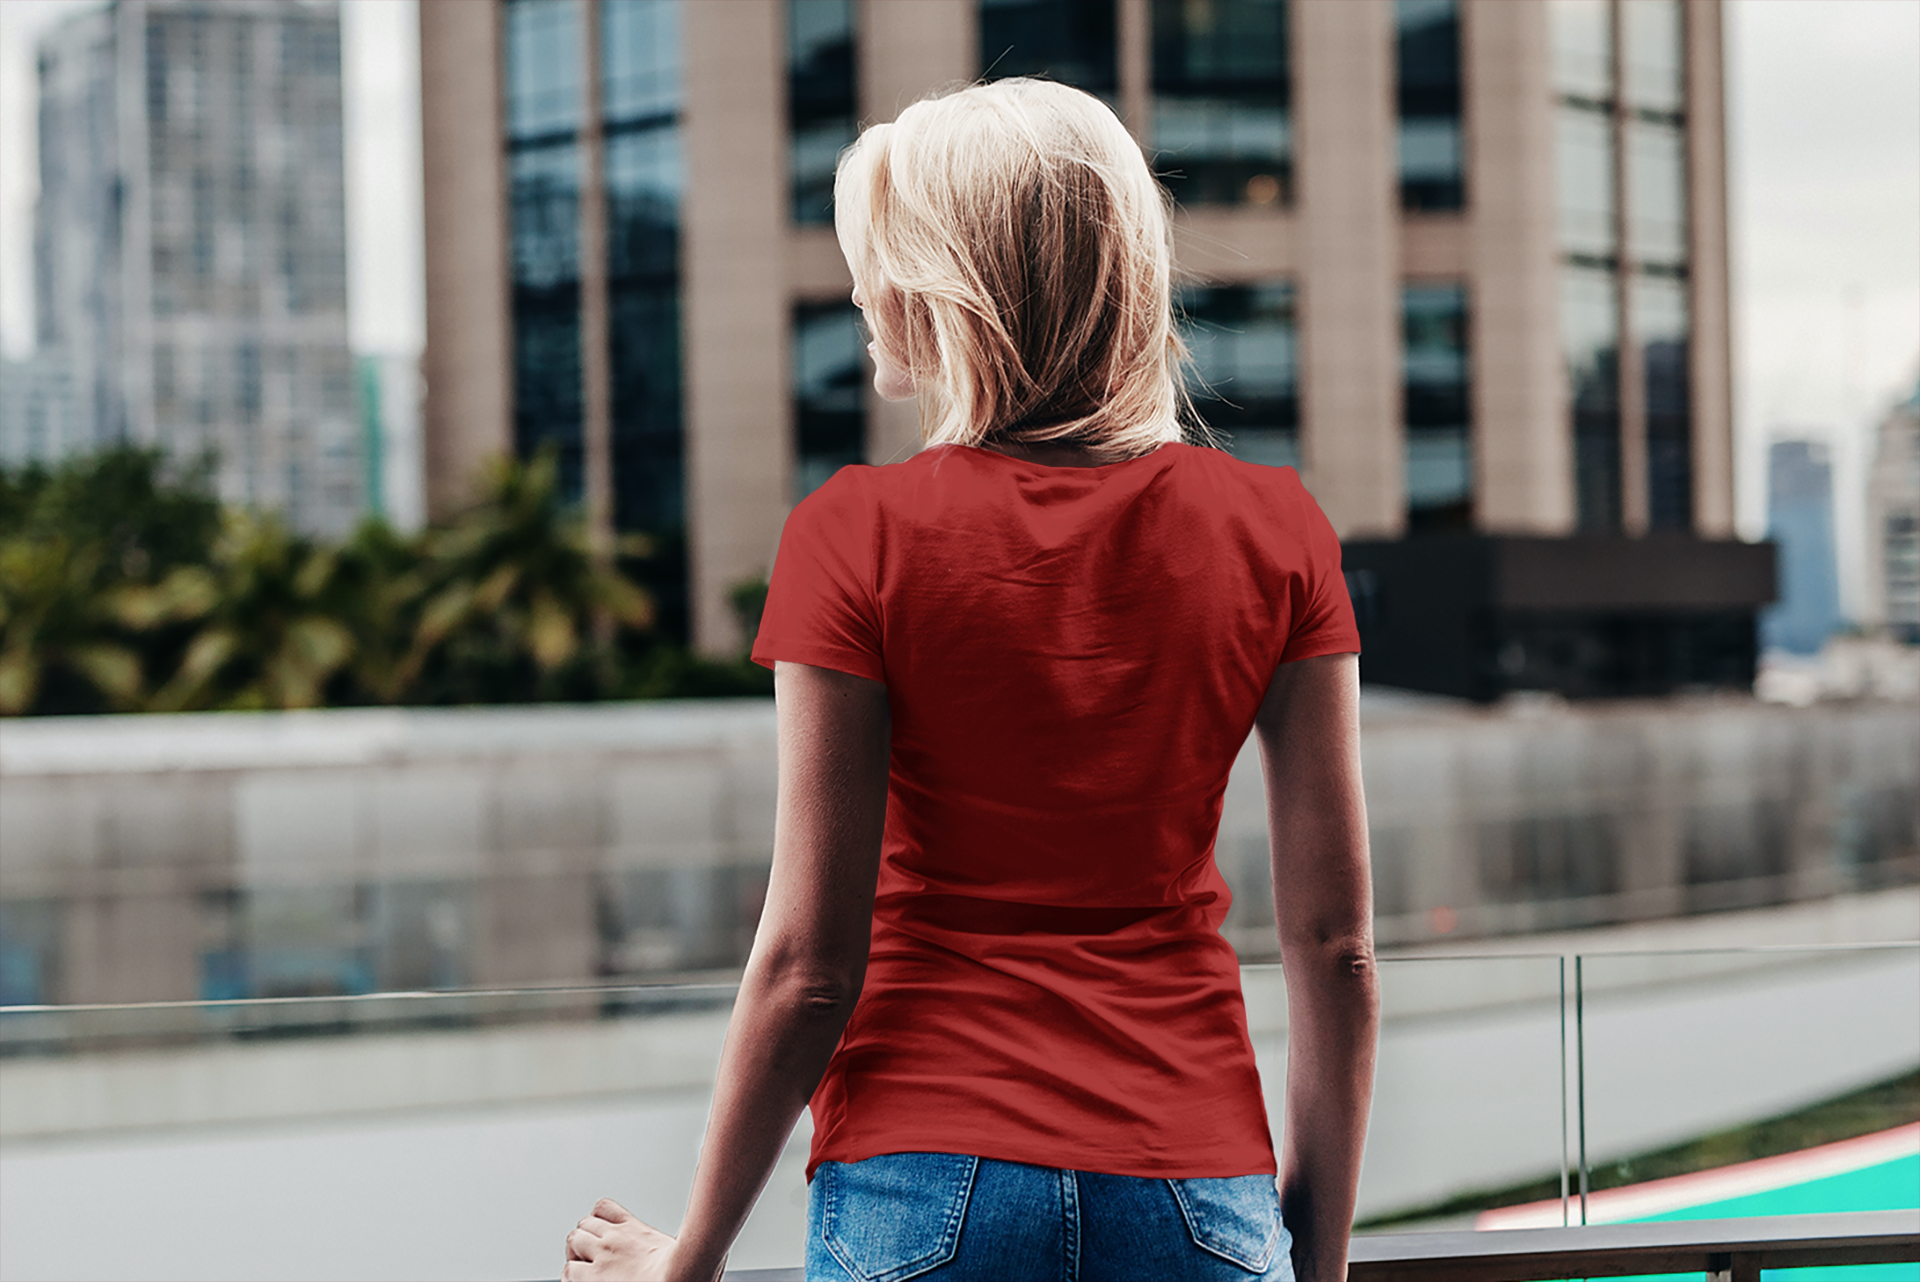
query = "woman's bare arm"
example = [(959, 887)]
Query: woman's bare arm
[(810, 954), (1309, 733), (802, 978)]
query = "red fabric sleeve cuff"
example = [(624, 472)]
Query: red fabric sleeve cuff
[(817, 654)]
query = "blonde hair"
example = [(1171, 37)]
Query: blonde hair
[(1016, 257)]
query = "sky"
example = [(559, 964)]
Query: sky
[(1824, 182)]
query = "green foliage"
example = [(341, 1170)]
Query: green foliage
[(124, 586), (78, 544)]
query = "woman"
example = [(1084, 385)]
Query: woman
[(1012, 675)]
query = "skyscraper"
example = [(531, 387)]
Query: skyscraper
[(191, 242), (1893, 522), (1461, 262), (1800, 522)]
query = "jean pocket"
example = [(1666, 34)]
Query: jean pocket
[(896, 1216), (1237, 1219)]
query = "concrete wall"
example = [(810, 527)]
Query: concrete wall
[(355, 849)]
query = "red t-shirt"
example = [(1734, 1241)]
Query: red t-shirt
[(1073, 659)]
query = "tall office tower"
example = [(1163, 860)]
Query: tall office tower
[(39, 417), (1893, 523), (1461, 262), (1800, 523), (191, 242)]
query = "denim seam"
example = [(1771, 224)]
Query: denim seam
[(1070, 1225)]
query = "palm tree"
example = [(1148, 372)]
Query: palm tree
[(514, 582), (56, 618), (269, 632)]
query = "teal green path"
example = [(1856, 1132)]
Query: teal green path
[(1889, 1186)]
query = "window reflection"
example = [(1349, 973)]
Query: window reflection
[(829, 374), (1660, 326), (1071, 41), (645, 174), (542, 67), (1582, 36), (1222, 129), (639, 59), (1590, 332), (1583, 163), (1244, 380), (544, 207), (1653, 42), (1439, 461), (1657, 192), (821, 100), (1428, 90)]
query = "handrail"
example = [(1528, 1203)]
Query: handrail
[(1722, 1250)]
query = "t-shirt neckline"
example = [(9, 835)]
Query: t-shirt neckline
[(1068, 468)]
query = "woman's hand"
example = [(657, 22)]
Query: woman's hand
[(611, 1243)]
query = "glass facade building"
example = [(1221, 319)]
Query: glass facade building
[(1621, 154), (1443, 256), (1074, 43), (1437, 407), (1245, 378), (634, 127), (644, 176), (830, 373), (190, 247), (1222, 124), (822, 100), (1427, 92), (1653, 61), (543, 116)]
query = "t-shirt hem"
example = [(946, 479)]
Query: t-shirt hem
[(1092, 1161), (1320, 649), (816, 654)]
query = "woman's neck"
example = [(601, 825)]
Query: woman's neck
[(1046, 455)]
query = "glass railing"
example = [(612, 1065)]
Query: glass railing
[(461, 1133), (1750, 1082)]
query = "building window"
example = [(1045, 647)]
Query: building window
[(1222, 128), (542, 71), (1660, 327), (1657, 193), (829, 375), (544, 205), (1438, 418), (639, 63), (1245, 367), (645, 174), (1071, 41), (822, 100), (542, 68), (1428, 90), (1581, 32), (1583, 160), (1653, 45), (1590, 336)]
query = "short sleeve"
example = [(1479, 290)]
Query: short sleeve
[(821, 609), (1323, 620)]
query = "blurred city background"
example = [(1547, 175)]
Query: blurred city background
[(400, 403)]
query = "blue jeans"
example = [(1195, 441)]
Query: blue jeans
[(947, 1217)]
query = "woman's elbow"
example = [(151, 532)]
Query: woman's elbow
[(812, 988), (1345, 956)]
